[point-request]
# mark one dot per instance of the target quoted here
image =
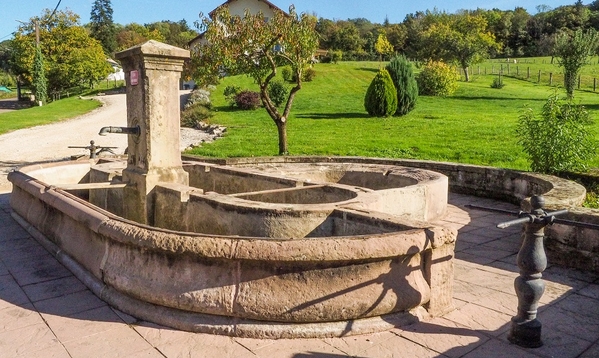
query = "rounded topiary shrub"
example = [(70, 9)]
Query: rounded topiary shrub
[(336, 56), (400, 70), (437, 79), (308, 74), (248, 100), (381, 96), (287, 73), (277, 92)]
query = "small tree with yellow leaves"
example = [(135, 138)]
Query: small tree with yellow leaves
[(383, 46)]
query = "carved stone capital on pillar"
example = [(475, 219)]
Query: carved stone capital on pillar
[(154, 52)]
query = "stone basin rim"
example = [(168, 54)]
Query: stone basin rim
[(368, 246)]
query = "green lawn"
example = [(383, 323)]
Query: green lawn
[(53, 112), (476, 125), (65, 108)]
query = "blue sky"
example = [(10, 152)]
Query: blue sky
[(146, 11)]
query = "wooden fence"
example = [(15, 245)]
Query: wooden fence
[(523, 72)]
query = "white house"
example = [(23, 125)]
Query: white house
[(238, 8), (117, 71)]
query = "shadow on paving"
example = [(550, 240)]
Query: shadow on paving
[(32, 280), (320, 355), (485, 298), (13, 104)]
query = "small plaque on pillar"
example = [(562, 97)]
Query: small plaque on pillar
[(134, 77)]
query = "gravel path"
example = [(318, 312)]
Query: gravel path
[(50, 142)]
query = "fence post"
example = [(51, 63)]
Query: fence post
[(492, 69), (479, 69), (528, 73), (539, 80), (550, 79), (594, 84), (517, 70), (508, 69), (485, 70)]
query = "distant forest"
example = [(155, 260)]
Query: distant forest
[(518, 32)]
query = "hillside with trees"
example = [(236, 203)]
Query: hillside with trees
[(463, 38), (516, 32)]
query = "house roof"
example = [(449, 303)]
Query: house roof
[(270, 5), (211, 13)]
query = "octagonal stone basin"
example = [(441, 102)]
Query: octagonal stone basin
[(248, 252)]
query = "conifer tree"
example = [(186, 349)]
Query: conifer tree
[(102, 27), (381, 96), (40, 83), (403, 78)]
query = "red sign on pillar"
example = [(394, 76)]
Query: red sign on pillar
[(134, 77)]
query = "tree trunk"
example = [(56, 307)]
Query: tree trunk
[(282, 129), (569, 83), (466, 74)]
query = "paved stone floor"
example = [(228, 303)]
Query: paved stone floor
[(46, 312)]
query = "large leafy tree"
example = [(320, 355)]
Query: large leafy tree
[(417, 44), (101, 26), (347, 37), (174, 33), (5, 49), (256, 47), (573, 52), (134, 34), (461, 38), (72, 57), (569, 17), (396, 34)]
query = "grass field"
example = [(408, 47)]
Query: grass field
[(55, 111), (476, 125)]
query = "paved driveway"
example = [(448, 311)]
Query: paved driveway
[(50, 142)]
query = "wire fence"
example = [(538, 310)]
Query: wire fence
[(524, 72)]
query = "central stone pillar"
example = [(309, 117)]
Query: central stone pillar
[(152, 74)]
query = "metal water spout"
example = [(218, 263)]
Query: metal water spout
[(124, 130)]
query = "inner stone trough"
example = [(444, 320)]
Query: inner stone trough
[(264, 250)]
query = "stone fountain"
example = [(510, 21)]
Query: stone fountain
[(264, 248)]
